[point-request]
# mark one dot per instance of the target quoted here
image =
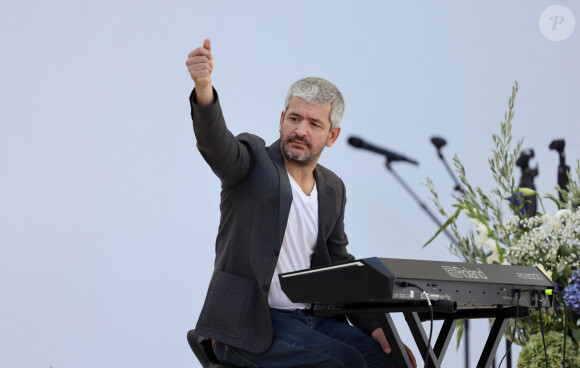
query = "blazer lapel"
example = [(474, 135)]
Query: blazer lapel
[(285, 188), (326, 216)]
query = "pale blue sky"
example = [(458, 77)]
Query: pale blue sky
[(108, 214)]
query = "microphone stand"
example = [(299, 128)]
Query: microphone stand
[(440, 142), (527, 180), (563, 169)]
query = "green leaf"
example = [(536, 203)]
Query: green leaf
[(459, 332), (575, 333), (449, 221)]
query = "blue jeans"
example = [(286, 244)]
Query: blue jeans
[(302, 340)]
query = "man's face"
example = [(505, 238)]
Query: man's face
[(305, 131)]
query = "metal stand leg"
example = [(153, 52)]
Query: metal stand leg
[(444, 337), (508, 354), (397, 348), (492, 342), (421, 338), (466, 341)]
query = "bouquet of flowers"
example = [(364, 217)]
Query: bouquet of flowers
[(504, 233)]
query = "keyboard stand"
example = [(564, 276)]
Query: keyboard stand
[(414, 320)]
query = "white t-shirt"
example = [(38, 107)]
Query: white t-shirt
[(298, 244)]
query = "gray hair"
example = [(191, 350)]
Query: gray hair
[(320, 92)]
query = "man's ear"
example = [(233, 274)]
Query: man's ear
[(281, 120), (334, 133)]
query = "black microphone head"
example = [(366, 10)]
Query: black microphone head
[(558, 145), (525, 157), (355, 142), (438, 142)]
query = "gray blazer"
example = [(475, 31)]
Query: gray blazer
[(255, 203)]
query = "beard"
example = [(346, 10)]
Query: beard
[(303, 159)]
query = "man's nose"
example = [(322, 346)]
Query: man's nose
[(301, 128)]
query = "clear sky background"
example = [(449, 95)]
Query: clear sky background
[(108, 213)]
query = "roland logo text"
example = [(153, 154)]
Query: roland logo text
[(464, 273)]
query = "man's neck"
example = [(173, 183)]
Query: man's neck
[(303, 175)]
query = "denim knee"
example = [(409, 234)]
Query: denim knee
[(348, 358)]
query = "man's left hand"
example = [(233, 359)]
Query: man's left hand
[(379, 336)]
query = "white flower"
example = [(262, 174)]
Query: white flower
[(481, 240), (563, 213), (494, 256), (550, 223), (482, 229), (491, 244), (482, 235)]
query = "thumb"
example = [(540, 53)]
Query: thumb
[(379, 336), (386, 347), (207, 44)]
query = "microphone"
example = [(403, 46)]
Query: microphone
[(391, 156), (438, 142), (558, 145)]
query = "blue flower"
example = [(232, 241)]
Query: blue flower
[(516, 200), (571, 293)]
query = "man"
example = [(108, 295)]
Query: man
[(280, 212)]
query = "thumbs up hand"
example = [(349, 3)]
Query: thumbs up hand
[(200, 65)]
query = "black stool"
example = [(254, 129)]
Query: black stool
[(204, 352)]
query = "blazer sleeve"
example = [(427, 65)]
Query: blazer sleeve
[(229, 158)]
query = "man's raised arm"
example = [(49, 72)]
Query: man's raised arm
[(200, 65)]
